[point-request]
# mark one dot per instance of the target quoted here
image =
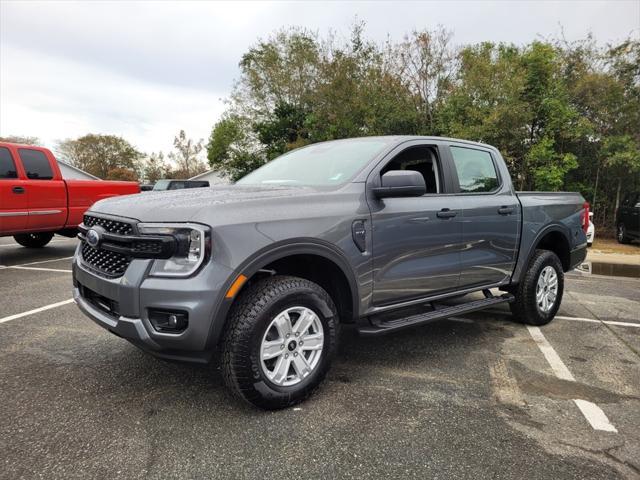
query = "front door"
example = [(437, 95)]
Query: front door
[(13, 196), (47, 191), (490, 218), (416, 240)]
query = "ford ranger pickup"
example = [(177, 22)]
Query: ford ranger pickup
[(381, 233), (36, 202)]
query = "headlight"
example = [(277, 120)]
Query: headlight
[(193, 242)]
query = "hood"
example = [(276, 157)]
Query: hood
[(185, 205)]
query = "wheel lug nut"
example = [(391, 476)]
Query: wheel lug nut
[(301, 342), (297, 333), (281, 346), (295, 354), (287, 335), (286, 355)]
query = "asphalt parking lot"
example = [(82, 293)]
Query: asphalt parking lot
[(473, 397)]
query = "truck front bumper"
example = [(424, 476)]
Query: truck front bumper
[(123, 305)]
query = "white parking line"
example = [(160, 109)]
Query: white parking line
[(577, 319), (593, 320), (595, 416), (593, 413), (41, 269), (43, 261), (35, 310), (52, 241), (557, 365)]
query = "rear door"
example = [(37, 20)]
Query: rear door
[(490, 217), (13, 196), (47, 194)]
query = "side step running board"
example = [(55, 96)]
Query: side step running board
[(379, 326)]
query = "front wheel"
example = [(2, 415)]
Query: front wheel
[(33, 240), (539, 294), (279, 342)]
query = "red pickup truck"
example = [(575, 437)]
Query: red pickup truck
[(36, 202)]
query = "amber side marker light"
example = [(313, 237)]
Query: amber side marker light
[(235, 286)]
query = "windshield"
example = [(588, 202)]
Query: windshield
[(323, 164), (161, 185)]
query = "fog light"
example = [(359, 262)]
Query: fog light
[(167, 321)]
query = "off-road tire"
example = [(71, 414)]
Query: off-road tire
[(249, 319), (33, 240), (621, 234), (525, 308)]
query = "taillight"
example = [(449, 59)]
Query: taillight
[(585, 217)]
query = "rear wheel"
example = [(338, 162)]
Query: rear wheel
[(539, 294), (280, 341), (621, 234), (33, 240)]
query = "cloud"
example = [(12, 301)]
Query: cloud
[(146, 69)]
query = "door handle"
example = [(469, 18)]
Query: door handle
[(505, 210), (18, 189), (446, 213)]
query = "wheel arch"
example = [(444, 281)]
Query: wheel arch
[(315, 260)]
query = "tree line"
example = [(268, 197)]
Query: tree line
[(565, 115), (111, 157)]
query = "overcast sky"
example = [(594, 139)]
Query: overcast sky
[(144, 70)]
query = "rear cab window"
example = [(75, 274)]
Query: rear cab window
[(7, 165), (476, 170), (36, 164)]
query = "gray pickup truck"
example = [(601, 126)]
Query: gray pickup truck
[(381, 233)]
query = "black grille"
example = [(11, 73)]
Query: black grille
[(110, 264), (111, 226), (149, 247), (104, 262)]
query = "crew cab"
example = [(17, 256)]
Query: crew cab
[(36, 202), (382, 233)]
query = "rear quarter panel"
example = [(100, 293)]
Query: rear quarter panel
[(544, 212)]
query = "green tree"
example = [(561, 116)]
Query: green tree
[(99, 154), (231, 151), (155, 167), (21, 140), (187, 156), (120, 173)]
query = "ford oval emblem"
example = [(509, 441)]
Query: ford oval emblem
[(93, 238)]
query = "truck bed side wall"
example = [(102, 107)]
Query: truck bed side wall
[(546, 212), (82, 194)]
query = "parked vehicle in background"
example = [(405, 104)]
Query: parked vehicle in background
[(179, 184), (628, 219), (36, 202), (379, 232), (146, 187), (591, 231)]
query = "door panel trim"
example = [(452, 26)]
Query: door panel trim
[(14, 214), (44, 212)]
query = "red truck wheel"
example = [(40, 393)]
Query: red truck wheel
[(33, 240)]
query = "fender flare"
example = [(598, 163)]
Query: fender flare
[(554, 227), (269, 254)]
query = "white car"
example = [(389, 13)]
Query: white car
[(591, 231)]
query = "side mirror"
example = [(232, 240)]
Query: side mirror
[(401, 183)]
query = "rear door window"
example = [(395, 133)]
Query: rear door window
[(476, 170), (7, 165), (36, 165)]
